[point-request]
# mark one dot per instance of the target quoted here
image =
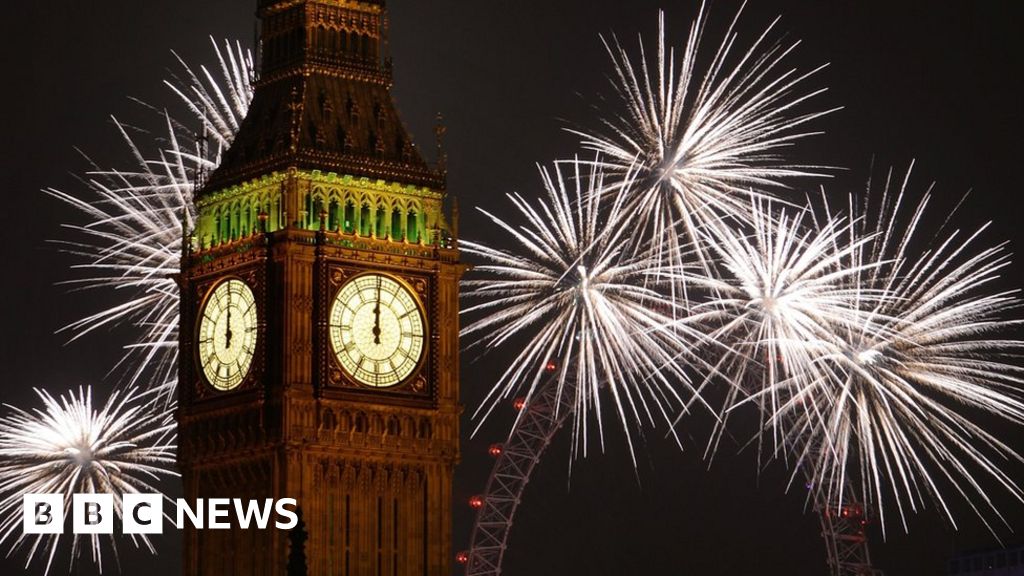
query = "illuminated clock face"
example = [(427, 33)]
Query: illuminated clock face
[(227, 334), (376, 330)]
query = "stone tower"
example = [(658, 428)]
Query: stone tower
[(319, 315)]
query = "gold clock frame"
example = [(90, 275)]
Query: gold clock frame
[(420, 308), (200, 386), (414, 389)]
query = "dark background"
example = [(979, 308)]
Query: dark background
[(936, 81)]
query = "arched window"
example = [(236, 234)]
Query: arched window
[(350, 217), (332, 216), (396, 224), (319, 39), (381, 224), (364, 220), (318, 211), (332, 41), (328, 421)]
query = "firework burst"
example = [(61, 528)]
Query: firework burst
[(700, 138), (785, 284), (135, 217), (883, 392), (585, 303), (70, 447)]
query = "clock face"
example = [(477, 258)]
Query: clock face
[(227, 334), (376, 330)]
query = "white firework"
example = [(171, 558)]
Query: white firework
[(886, 396), (135, 217), (701, 138), (785, 283), (582, 302), (69, 447)]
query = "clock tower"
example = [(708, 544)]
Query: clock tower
[(319, 317)]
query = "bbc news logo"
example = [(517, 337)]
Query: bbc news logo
[(144, 513)]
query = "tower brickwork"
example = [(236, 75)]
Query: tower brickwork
[(319, 315)]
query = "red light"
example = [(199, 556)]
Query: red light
[(851, 512), (518, 403), (462, 557), (495, 450), (476, 502), (551, 367)]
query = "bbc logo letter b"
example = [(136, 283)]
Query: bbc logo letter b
[(92, 513), (43, 514)]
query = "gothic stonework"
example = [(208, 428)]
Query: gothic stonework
[(321, 188)]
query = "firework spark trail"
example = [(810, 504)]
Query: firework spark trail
[(881, 396), (782, 290), (221, 102), (684, 155), (702, 138), (582, 301), (70, 447), (134, 218), (132, 244)]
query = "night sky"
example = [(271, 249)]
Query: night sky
[(940, 82)]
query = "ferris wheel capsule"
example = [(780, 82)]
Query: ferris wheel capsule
[(476, 502), (495, 450), (462, 557)]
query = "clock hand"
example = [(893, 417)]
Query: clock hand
[(227, 329), (227, 333), (376, 316)]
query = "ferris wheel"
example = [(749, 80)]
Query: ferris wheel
[(843, 524)]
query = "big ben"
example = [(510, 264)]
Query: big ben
[(319, 316)]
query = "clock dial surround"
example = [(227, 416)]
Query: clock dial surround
[(377, 330), (227, 334)]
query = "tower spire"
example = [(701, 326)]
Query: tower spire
[(442, 155), (331, 55)]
